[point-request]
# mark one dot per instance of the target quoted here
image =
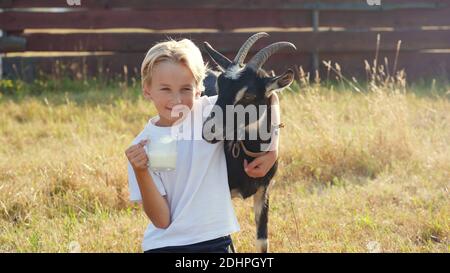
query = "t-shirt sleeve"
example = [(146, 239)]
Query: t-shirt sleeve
[(133, 186), (210, 100)]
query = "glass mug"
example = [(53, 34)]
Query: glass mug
[(162, 152)]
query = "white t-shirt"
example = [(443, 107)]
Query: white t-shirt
[(197, 190)]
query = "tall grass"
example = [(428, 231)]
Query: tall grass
[(363, 167)]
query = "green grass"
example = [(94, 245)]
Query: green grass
[(356, 169)]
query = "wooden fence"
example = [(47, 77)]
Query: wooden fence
[(113, 35)]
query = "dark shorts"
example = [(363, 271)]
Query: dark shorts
[(219, 245)]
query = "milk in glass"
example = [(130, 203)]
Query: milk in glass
[(162, 152)]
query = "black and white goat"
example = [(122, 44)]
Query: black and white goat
[(245, 85)]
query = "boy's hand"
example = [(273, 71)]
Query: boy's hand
[(137, 156), (261, 165)]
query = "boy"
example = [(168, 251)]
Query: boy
[(190, 207)]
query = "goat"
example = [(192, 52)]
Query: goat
[(245, 84)]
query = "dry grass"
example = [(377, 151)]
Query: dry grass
[(359, 171)]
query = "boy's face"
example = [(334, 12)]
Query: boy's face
[(172, 84)]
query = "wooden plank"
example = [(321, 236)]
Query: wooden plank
[(1, 57), (226, 4), (222, 19), (112, 65), (160, 19), (412, 18), (230, 42), (416, 64), (108, 66), (435, 65), (12, 43)]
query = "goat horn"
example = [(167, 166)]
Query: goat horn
[(264, 54), (217, 57), (245, 48)]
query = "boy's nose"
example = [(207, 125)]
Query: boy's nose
[(177, 99)]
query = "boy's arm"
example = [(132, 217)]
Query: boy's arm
[(261, 165), (155, 205)]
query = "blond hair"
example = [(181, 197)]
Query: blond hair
[(183, 51)]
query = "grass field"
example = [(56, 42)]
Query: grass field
[(359, 171)]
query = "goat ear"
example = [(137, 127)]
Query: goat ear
[(278, 83)]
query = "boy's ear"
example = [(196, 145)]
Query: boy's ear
[(197, 92), (146, 92)]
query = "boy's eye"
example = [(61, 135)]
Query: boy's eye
[(165, 89)]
